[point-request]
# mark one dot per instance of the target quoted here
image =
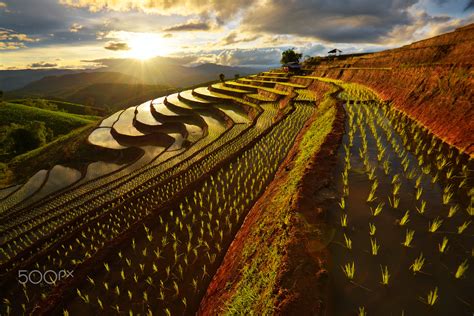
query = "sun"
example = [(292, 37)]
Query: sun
[(145, 46)]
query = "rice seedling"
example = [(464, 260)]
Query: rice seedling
[(432, 297), (422, 208), (443, 245), (361, 311), (385, 275), (418, 193), (372, 229), (374, 246), (417, 265), (447, 196), (434, 225), (371, 196), (342, 203), (405, 219), (349, 270), (344, 220), (396, 188), (408, 237), (463, 227), (394, 202), (377, 210), (462, 268), (348, 242)]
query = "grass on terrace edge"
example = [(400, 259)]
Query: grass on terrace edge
[(255, 290)]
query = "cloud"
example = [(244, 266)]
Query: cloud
[(75, 27), (42, 64), (222, 9), (167, 35), (10, 40), (448, 25), (243, 57), (348, 21), (11, 45), (116, 46), (470, 5), (11, 35), (235, 37), (2, 5), (189, 26)]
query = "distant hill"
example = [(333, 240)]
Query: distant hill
[(105, 90), (16, 79), (162, 71), (120, 83), (63, 85)]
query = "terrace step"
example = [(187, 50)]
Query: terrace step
[(206, 94), (272, 78), (147, 123), (256, 82), (221, 88), (188, 97), (241, 86), (258, 98)]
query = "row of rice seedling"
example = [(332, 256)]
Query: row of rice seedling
[(265, 121), (98, 203), (406, 233), (56, 208), (244, 172)]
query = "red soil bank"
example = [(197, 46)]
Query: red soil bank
[(431, 81)]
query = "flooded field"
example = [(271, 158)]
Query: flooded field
[(403, 235)]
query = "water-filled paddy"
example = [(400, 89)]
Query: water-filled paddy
[(395, 208)]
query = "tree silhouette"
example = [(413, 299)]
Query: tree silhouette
[(289, 56), (222, 77)]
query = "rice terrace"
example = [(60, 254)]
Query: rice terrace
[(157, 179)]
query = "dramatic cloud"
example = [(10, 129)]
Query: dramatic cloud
[(116, 46), (11, 35), (75, 27), (11, 45), (336, 21), (189, 26), (3, 5), (10, 40), (42, 64), (470, 5), (234, 37), (221, 8)]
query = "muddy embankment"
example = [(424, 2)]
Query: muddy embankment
[(276, 263), (431, 81)]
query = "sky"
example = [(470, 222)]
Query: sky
[(43, 34)]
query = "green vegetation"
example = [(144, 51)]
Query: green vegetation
[(25, 128), (67, 107), (290, 55)]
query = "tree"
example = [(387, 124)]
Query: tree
[(236, 76), (1, 95), (289, 56), (222, 77)]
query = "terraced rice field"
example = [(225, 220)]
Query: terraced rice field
[(147, 236), (164, 220)]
